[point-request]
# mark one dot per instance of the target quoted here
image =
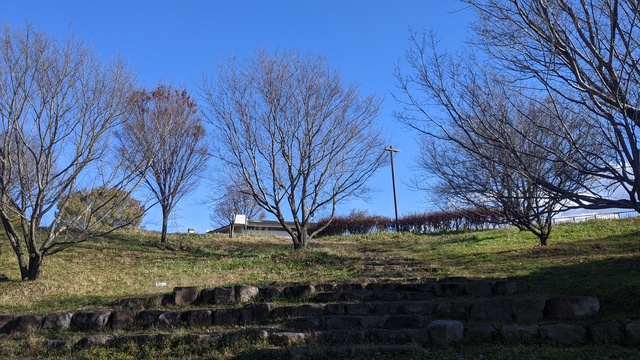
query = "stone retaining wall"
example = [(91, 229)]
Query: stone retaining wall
[(316, 315), (436, 332), (377, 313)]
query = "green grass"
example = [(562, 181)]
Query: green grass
[(599, 258)]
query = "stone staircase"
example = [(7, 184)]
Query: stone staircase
[(390, 315)]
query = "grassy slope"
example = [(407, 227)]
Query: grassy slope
[(598, 258)]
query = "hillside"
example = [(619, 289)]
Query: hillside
[(597, 258)]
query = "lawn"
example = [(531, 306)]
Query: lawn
[(600, 257)]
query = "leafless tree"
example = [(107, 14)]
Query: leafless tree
[(585, 52), (297, 137), (232, 201), (487, 143), (59, 106), (164, 126)]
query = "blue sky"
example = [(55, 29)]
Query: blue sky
[(179, 42)]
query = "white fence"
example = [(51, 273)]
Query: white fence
[(587, 217)]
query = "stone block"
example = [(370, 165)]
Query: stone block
[(452, 309), (91, 341), (206, 297), (169, 319), (416, 296), (287, 339), (6, 323), (245, 293), (356, 295), (478, 289), (90, 320), (389, 296), (419, 336), (509, 287), (528, 310), (417, 288), (300, 291), (326, 287), (633, 331), (134, 303), (197, 318), (448, 289), (156, 301), (563, 334), (497, 309), (272, 292), (372, 321), (58, 321), (480, 333), (224, 296), (609, 332), (335, 309), (325, 297), (255, 313), (284, 312), (304, 323), (148, 317), (522, 334), (351, 287), (311, 310), (342, 322), (122, 318), (359, 308), (571, 307), (213, 340), (338, 337), (226, 317), (27, 324), (256, 334), (445, 332), (184, 295), (404, 322), (388, 307), (387, 336), (419, 307)]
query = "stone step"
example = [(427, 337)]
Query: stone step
[(436, 332), (315, 315), (328, 292)]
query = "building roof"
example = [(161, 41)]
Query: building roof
[(242, 223)]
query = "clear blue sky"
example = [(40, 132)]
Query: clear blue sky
[(179, 41)]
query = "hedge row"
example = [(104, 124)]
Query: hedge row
[(435, 222)]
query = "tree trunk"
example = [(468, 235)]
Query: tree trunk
[(300, 240), (32, 272), (165, 222), (543, 238)]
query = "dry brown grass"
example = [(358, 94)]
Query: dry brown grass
[(599, 258)]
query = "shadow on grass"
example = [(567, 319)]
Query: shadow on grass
[(614, 281)]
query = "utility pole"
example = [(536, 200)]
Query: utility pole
[(391, 150)]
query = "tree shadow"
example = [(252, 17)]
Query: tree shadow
[(614, 280)]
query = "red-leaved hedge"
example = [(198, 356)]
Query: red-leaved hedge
[(435, 222)]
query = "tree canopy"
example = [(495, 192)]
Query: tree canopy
[(292, 133)]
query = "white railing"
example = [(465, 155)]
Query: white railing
[(587, 217)]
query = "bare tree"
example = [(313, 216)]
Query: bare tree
[(297, 137), (487, 143), (585, 52), (234, 201), (58, 108), (164, 126)]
